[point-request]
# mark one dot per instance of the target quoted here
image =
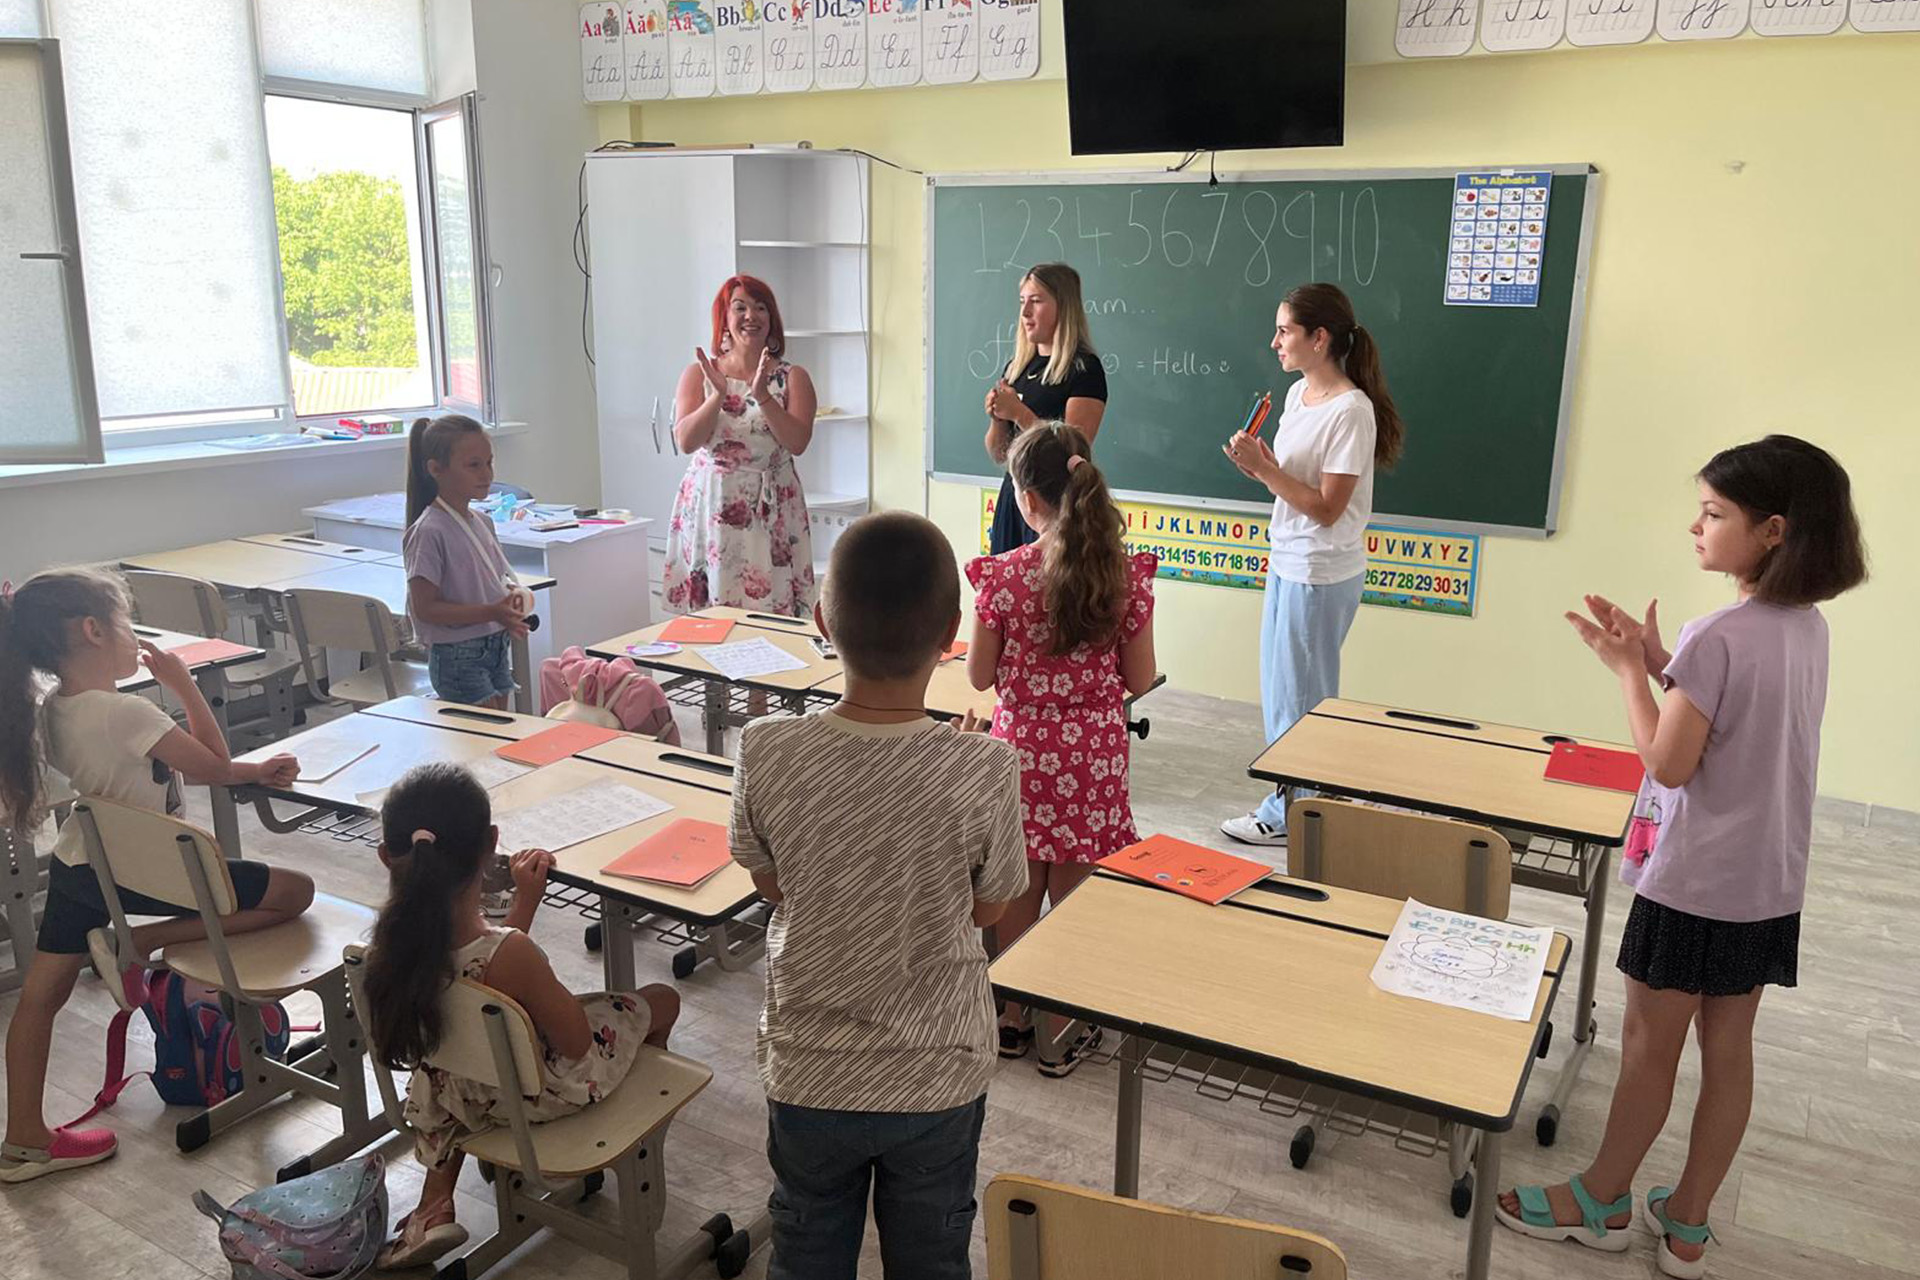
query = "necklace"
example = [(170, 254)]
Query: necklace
[(849, 702)]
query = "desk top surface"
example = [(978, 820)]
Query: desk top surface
[(1279, 982), (792, 638), (143, 679), (1485, 772), (244, 566)]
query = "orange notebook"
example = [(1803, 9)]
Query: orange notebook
[(958, 649), (684, 853), (690, 630), (557, 743), (1189, 869), (201, 652), (1595, 767)]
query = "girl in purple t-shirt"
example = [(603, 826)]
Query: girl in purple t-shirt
[(1718, 847)]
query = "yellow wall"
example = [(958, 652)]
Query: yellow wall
[(1756, 268)]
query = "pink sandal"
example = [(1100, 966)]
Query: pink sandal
[(417, 1248)]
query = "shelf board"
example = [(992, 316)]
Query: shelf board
[(826, 333), (803, 244), (827, 498)]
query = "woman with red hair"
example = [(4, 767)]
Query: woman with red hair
[(739, 534)]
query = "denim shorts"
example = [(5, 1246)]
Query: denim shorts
[(472, 671), (75, 907)]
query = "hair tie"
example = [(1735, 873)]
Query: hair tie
[(1075, 460), (423, 836)]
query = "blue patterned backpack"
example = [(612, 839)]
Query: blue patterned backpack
[(330, 1223)]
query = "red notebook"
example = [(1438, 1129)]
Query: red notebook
[(201, 652), (691, 630), (1595, 767), (557, 743), (683, 853), (1189, 869), (958, 649)]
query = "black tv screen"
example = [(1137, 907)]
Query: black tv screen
[(1219, 75)]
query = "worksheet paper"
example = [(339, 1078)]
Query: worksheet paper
[(1463, 961), (321, 758), (747, 658), (491, 770), (576, 816)]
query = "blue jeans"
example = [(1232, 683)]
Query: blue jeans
[(1301, 630), (472, 671), (921, 1169)]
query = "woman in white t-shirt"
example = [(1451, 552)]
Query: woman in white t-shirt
[(1339, 425)]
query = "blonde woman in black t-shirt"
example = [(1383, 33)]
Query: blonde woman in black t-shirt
[(1055, 375)]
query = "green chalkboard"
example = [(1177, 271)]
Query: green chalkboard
[(1181, 281)]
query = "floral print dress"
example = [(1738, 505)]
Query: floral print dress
[(1065, 714), (739, 534), (442, 1108)]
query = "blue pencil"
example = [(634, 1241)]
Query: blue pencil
[(1252, 409)]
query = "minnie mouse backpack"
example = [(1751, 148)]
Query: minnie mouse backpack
[(329, 1224)]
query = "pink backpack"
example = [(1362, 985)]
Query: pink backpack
[(613, 693)]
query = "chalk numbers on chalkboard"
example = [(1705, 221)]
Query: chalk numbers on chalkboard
[(1353, 255)]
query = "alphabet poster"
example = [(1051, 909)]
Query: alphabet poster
[(645, 50), (1497, 236)]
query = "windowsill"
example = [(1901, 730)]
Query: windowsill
[(202, 454)]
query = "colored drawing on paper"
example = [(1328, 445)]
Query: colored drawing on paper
[(1463, 961)]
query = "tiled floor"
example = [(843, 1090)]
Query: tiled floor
[(1818, 1189)]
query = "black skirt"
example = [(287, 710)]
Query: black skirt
[(1671, 950), (1010, 528)]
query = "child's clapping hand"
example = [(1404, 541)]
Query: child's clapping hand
[(1620, 647), (530, 868)]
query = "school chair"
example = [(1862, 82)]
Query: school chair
[(128, 848), (177, 602), (323, 620), (1453, 865), (23, 876), (1046, 1231), (541, 1170)]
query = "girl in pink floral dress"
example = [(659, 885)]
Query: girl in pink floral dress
[(739, 534), (1064, 629)]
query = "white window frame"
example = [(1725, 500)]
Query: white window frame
[(466, 107)]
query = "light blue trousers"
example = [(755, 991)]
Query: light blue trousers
[(1301, 630)]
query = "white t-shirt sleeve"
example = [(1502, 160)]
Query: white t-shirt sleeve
[(138, 724), (1350, 439)]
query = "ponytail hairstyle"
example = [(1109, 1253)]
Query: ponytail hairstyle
[(1083, 568), (436, 830), (760, 291), (1821, 553), (36, 632), (431, 440), (1325, 306), (1072, 341)]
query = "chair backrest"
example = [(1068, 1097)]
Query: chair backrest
[(1456, 866), (465, 1048), (177, 602), (148, 852), (342, 620), (1046, 1231)]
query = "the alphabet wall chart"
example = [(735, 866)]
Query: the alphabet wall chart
[(1435, 28), (1797, 17), (690, 49), (603, 75), (1497, 234), (949, 41), (737, 46), (1885, 15), (1701, 19), (1009, 39), (1509, 26), (649, 49), (787, 29), (1596, 22), (645, 40), (893, 43)]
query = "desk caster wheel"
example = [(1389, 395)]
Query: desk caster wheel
[(1141, 728), (592, 937), (1547, 1127), (298, 1169), (685, 961), (730, 1259), (591, 1184), (1300, 1150), (1460, 1199), (1546, 1039)]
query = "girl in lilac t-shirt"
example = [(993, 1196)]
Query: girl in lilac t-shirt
[(1717, 850)]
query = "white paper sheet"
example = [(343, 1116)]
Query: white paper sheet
[(576, 816), (1463, 961), (495, 770), (750, 658), (321, 758)]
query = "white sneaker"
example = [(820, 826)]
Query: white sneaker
[(1248, 829)]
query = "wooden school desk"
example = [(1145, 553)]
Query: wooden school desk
[(1489, 773), (1277, 979), (412, 731)]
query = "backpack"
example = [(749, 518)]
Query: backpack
[(330, 1223), (196, 1047), (614, 694)]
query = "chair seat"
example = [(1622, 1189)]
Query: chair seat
[(274, 963), (261, 670), (659, 1084), (366, 688)]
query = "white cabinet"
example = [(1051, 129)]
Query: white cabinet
[(664, 229)]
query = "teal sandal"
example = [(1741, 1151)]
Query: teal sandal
[(1665, 1228), (1536, 1218)]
